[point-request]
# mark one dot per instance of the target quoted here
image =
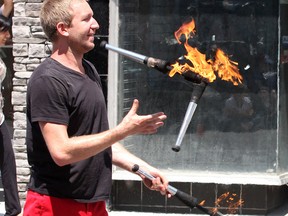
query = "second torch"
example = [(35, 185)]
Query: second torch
[(182, 196)]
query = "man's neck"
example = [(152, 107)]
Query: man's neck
[(69, 60)]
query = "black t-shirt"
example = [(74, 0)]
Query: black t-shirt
[(60, 95)]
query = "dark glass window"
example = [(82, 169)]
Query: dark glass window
[(233, 127)]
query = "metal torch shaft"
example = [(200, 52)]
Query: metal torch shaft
[(187, 119), (187, 199), (132, 55), (158, 64), (137, 169), (182, 196), (196, 95)]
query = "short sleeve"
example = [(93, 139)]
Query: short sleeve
[(48, 98)]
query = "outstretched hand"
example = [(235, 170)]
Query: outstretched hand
[(141, 124)]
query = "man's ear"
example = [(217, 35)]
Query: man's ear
[(62, 29)]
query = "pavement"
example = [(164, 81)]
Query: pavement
[(282, 211), (278, 212)]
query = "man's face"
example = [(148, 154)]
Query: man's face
[(82, 28), (4, 37)]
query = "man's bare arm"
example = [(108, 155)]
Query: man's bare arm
[(7, 8), (66, 150)]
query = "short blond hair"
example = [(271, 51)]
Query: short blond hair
[(53, 12)]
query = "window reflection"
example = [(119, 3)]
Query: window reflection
[(233, 126)]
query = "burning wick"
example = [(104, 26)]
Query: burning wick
[(221, 65)]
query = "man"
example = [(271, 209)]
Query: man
[(7, 157), (70, 147)]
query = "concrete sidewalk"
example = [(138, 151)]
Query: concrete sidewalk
[(282, 211), (279, 212)]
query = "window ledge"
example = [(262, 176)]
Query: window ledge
[(217, 178)]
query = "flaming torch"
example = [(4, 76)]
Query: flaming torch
[(196, 69), (182, 196), (207, 69), (158, 64)]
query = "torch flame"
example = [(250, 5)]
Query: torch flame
[(225, 68), (187, 29), (202, 203), (229, 199)]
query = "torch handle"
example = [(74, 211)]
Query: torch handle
[(151, 62), (132, 55), (196, 95), (187, 119), (182, 196)]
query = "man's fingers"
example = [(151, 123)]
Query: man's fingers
[(155, 118), (160, 115), (134, 107)]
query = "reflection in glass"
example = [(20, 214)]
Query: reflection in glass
[(233, 127)]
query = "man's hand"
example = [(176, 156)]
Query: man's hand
[(158, 183), (141, 124)]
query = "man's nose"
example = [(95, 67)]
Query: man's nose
[(95, 24)]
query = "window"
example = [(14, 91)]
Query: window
[(234, 128)]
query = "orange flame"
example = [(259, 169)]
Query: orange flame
[(187, 29), (226, 69), (229, 200), (202, 203)]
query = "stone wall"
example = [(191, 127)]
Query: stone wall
[(29, 49)]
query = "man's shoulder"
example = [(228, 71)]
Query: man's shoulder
[(43, 64), (85, 61), (48, 66)]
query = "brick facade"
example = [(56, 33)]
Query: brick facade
[(29, 49)]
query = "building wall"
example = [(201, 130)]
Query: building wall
[(29, 49)]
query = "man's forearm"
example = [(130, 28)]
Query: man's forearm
[(122, 158)]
